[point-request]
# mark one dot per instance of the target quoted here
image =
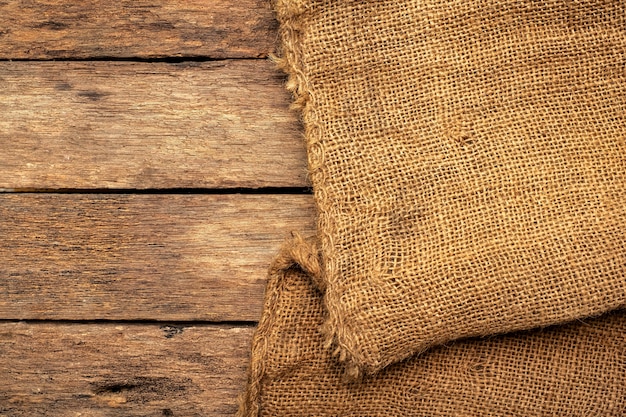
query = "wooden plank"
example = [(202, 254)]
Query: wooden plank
[(120, 370), (59, 29), (147, 125), (142, 257)]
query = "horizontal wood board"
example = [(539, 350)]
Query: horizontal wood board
[(130, 125), (60, 29), (115, 370), (142, 257)]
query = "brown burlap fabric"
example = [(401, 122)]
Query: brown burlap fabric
[(468, 159), (573, 370)]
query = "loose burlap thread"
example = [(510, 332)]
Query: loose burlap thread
[(573, 370), (468, 161)]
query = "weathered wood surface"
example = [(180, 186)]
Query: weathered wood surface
[(147, 125), (52, 369), (138, 261), (142, 257), (59, 29)]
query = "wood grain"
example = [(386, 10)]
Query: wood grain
[(135, 125), (59, 29), (52, 369), (142, 257)]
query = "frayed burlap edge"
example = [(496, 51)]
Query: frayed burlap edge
[(291, 15), (296, 252)]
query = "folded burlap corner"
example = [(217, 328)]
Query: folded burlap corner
[(468, 160), (574, 370)]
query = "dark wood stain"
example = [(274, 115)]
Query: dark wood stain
[(52, 25), (92, 95)]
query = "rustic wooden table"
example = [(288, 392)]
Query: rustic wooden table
[(149, 170)]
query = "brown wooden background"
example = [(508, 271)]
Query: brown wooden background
[(149, 170)]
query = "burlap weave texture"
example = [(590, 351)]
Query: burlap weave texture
[(573, 370), (468, 159)]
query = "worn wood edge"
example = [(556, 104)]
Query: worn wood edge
[(130, 125), (142, 257), (118, 369), (57, 29)]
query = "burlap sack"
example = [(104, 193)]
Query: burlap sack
[(573, 370), (468, 159)]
